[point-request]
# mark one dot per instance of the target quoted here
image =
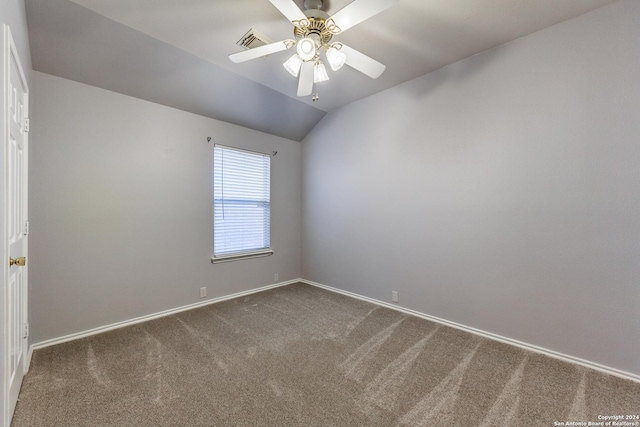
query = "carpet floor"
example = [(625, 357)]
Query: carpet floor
[(302, 356)]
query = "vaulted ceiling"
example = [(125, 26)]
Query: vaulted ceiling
[(175, 52)]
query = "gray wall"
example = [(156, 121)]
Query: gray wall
[(501, 192), (121, 208)]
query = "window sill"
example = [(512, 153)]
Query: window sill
[(239, 256)]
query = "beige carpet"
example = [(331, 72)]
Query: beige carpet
[(302, 356)]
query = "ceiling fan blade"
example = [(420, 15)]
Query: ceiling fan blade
[(257, 52), (305, 82), (289, 9), (362, 62), (358, 11)]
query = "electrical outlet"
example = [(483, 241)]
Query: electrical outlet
[(275, 277), (394, 296), (203, 292)]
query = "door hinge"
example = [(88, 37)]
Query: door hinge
[(26, 330), (26, 124), (26, 228)]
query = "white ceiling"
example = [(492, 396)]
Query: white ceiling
[(411, 39)]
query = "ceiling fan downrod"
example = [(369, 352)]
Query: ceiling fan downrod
[(313, 4)]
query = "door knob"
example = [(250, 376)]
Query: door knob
[(18, 261)]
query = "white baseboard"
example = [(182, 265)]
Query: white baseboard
[(125, 323), (495, 337), (489, 335)]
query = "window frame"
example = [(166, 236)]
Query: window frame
[(241, 254)]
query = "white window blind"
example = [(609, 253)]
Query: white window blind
[(241, 202)]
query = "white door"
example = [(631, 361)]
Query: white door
[(16, 225)]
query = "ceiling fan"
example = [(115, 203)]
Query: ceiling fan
[(313, 31)]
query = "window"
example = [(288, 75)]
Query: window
[(241, 204)]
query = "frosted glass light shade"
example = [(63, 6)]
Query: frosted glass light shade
[(306, 49), (320, 73), (336, 58), (293, 64)]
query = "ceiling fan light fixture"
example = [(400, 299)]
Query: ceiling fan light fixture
[(336, 58), (320, 73), (306, 49), (293, 64), (313, 31)]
